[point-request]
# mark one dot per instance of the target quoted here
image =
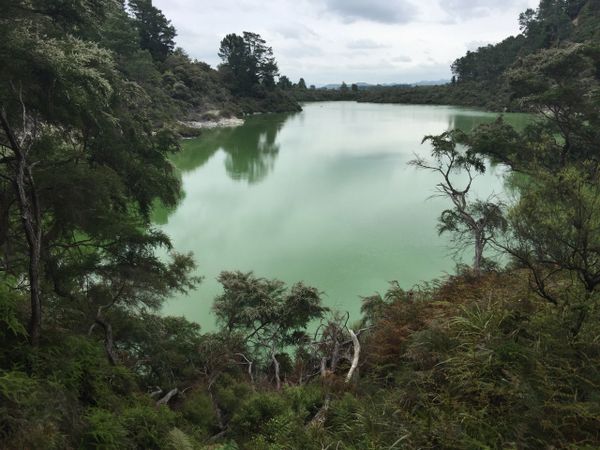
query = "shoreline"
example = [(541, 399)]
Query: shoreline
[(225, 122)]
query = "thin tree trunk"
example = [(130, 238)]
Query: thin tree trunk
[(29, 207), (250, 364), (250, 373), (356, 357), (276, 364), (4, 217), (581, 315), (323, 367), (321, 416), (218, 412), (109, 344), (335, 356), (478, 253)]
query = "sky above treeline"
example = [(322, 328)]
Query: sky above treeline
[(329, 41)]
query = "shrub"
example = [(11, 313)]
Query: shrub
[(147, 425), (198, 410), (105, 430), (255, 413)]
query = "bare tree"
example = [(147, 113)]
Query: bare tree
[(471, 222)]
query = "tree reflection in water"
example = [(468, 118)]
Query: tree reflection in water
[(251, 149)]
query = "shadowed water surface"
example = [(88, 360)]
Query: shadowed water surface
[(324, 196)]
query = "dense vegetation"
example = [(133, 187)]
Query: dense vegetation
[(488, 358), (139, 41)]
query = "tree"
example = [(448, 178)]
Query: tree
[(302, 84), (344, 88), (561, 85), (156, 32), (472, 223), (26, 116), (284, 83), (261, 56), (554, 225), (75, 140), (549, 24), (354, 87), (554, 232), (247, 62), (265, 313)]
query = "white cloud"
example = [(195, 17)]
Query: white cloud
[(473, 9), (326, 41), (402, 59), (367, 44), (384, 11)]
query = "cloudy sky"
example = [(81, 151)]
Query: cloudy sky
[(327, 41)]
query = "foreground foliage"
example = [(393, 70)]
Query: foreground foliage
[(474, 361)]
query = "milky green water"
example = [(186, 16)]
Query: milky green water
[(324, 196)]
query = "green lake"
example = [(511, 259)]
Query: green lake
[(324, 196)]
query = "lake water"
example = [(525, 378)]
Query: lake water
[(324, 196)]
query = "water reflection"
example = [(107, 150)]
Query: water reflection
[(251, 149), (469, 120)]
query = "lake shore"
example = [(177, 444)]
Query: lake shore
[(223, 122)]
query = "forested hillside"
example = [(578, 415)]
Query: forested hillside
[(490, 357), (138, 42), (480, 78)]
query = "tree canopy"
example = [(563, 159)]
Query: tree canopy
[(247, 62)]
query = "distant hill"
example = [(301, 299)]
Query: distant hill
[(363, 85), (432, 83)]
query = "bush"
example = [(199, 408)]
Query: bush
[(254, 414), (105, 430), (198, 410), (231, 394), (31, 412), (147, 425)]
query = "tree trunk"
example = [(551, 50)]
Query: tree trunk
[(156, 393), (276, 364), (323, 367), (335, 356), (31, 222), (250, 373), (109, 344), (356, 357), (321, 415), (4, 217), (250, 364), (479, 244), (29, 208), (582, 314), (218, 412), (167, 398)]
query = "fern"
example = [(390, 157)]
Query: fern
[(178, 440)]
